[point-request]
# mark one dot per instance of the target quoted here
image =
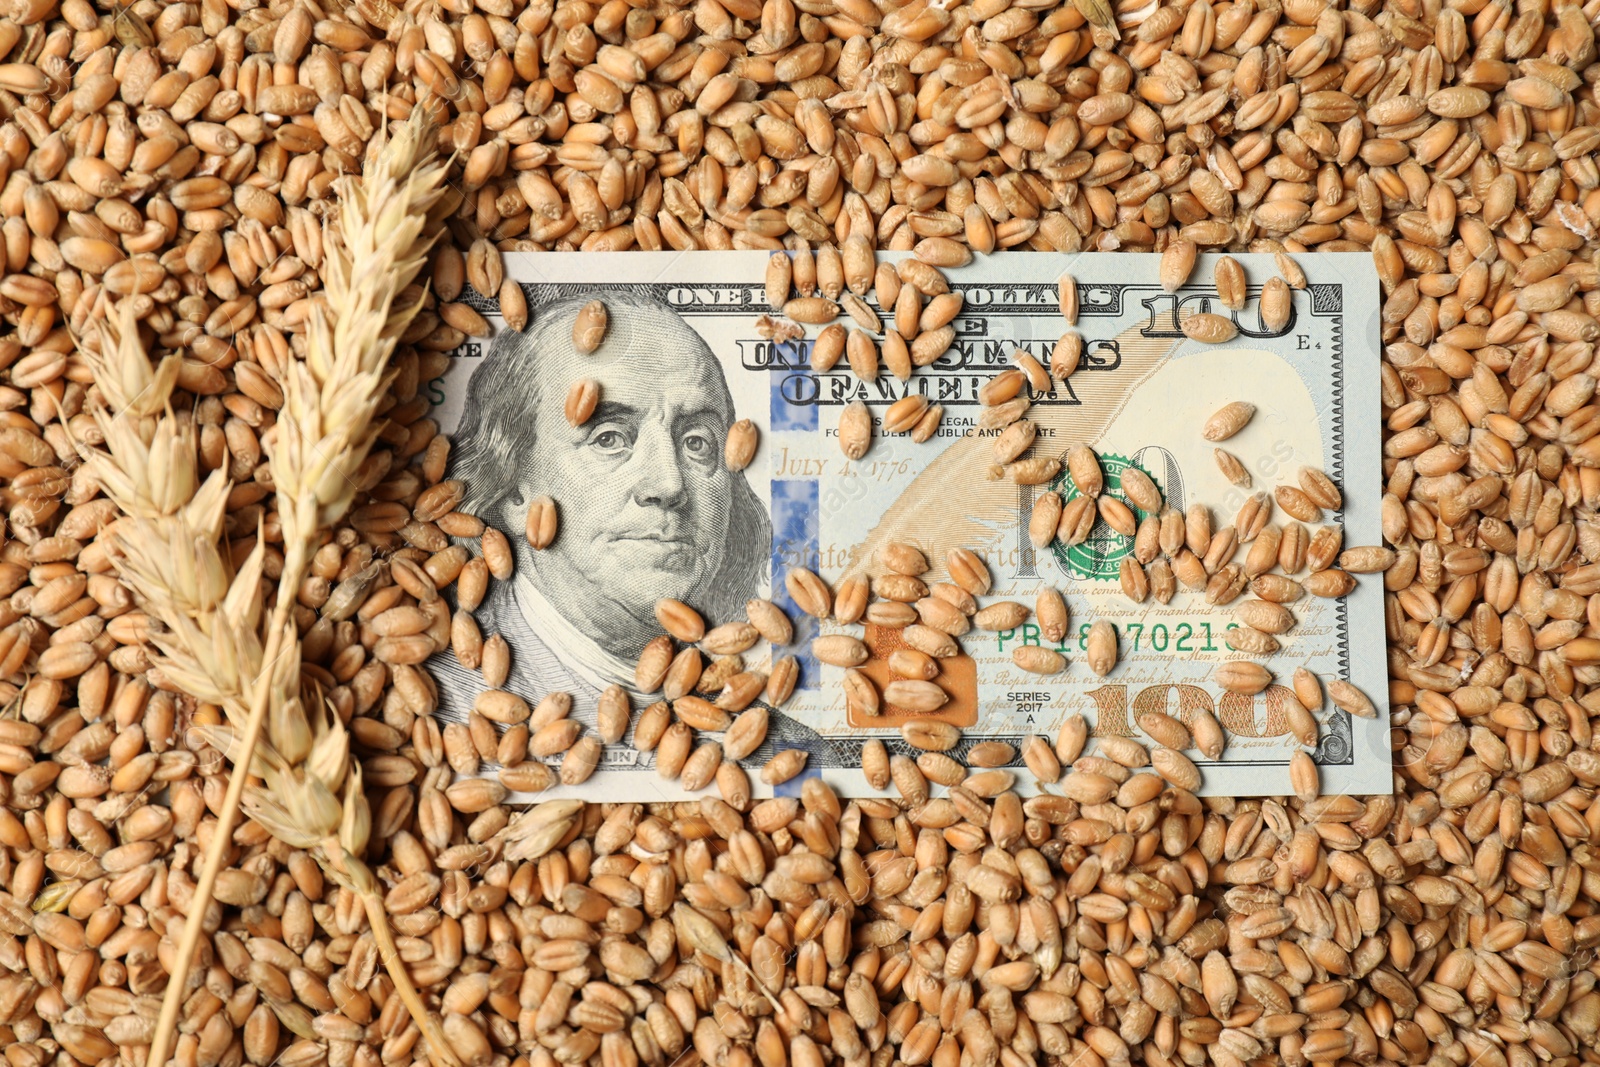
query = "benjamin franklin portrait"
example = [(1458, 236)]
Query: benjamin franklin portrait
[(647, 507)]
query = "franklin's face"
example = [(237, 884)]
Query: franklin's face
[(643, 495)]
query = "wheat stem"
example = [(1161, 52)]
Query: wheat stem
[(216, 849), (389, 952)]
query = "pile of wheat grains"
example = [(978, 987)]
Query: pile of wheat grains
[(175, 162)]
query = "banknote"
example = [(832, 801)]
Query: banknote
[(648, 509)]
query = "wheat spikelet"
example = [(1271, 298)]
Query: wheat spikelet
[(219, 644)]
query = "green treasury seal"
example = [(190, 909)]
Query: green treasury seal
[(1100, 557)]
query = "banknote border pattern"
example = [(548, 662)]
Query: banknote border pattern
[(1336, 748)]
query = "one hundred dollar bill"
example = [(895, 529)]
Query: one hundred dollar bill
[(648, 510)]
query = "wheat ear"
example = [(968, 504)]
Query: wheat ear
[(216, 645)]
